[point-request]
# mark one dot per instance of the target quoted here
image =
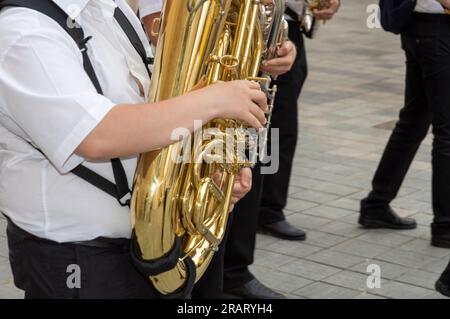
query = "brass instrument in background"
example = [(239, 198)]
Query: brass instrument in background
[(179, 213), (308, 21), (319, 4)]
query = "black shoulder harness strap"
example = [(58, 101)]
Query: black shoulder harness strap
[(120, 189), (129, 30)]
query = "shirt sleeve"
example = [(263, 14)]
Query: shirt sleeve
[(48, 94), (147, 7), (297, 6)]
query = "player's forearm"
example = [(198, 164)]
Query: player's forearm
[(132, 129)]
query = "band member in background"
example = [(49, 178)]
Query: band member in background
[(268, 196), (54, 117), (427, 102), (425, 39), (442, 221)]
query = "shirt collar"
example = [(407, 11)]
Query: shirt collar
[(72, 8)]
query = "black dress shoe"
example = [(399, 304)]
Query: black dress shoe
[(442, 288), (253, 289), (283, 230), (440, 235), (443, 283), (384, 218), (440, 242)]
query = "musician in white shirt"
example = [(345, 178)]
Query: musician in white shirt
[(52, 119)]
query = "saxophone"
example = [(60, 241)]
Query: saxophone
[(319, 4), (308, 21), (179, 212)]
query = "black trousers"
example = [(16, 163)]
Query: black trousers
[(285, 118), (48, 270), (268, 195), (426, 43)]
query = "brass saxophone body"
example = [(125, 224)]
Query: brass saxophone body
[(179, 213)]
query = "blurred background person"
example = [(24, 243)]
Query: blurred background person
[(264, 205), (427, 102)]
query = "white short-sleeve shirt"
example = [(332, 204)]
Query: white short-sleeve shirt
[(47, 100), (296, 5), (428, 6)]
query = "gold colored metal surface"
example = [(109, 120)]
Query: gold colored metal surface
[(319, 4), (200, 42), (308, 21)]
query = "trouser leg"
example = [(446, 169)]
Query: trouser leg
[(240, 246), (285, 121), (411, 128), (46, 269)]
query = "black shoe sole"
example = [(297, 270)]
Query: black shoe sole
[(375, 223), (442, 288), (440, 243), (281, 236)]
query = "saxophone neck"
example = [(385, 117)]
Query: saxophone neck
[(278, 32)]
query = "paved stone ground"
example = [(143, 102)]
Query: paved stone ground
[(348, 106)]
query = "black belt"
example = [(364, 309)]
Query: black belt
[(100, 242)]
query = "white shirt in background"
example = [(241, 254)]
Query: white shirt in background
[(46, 98), (428, 6), (296, 5)]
